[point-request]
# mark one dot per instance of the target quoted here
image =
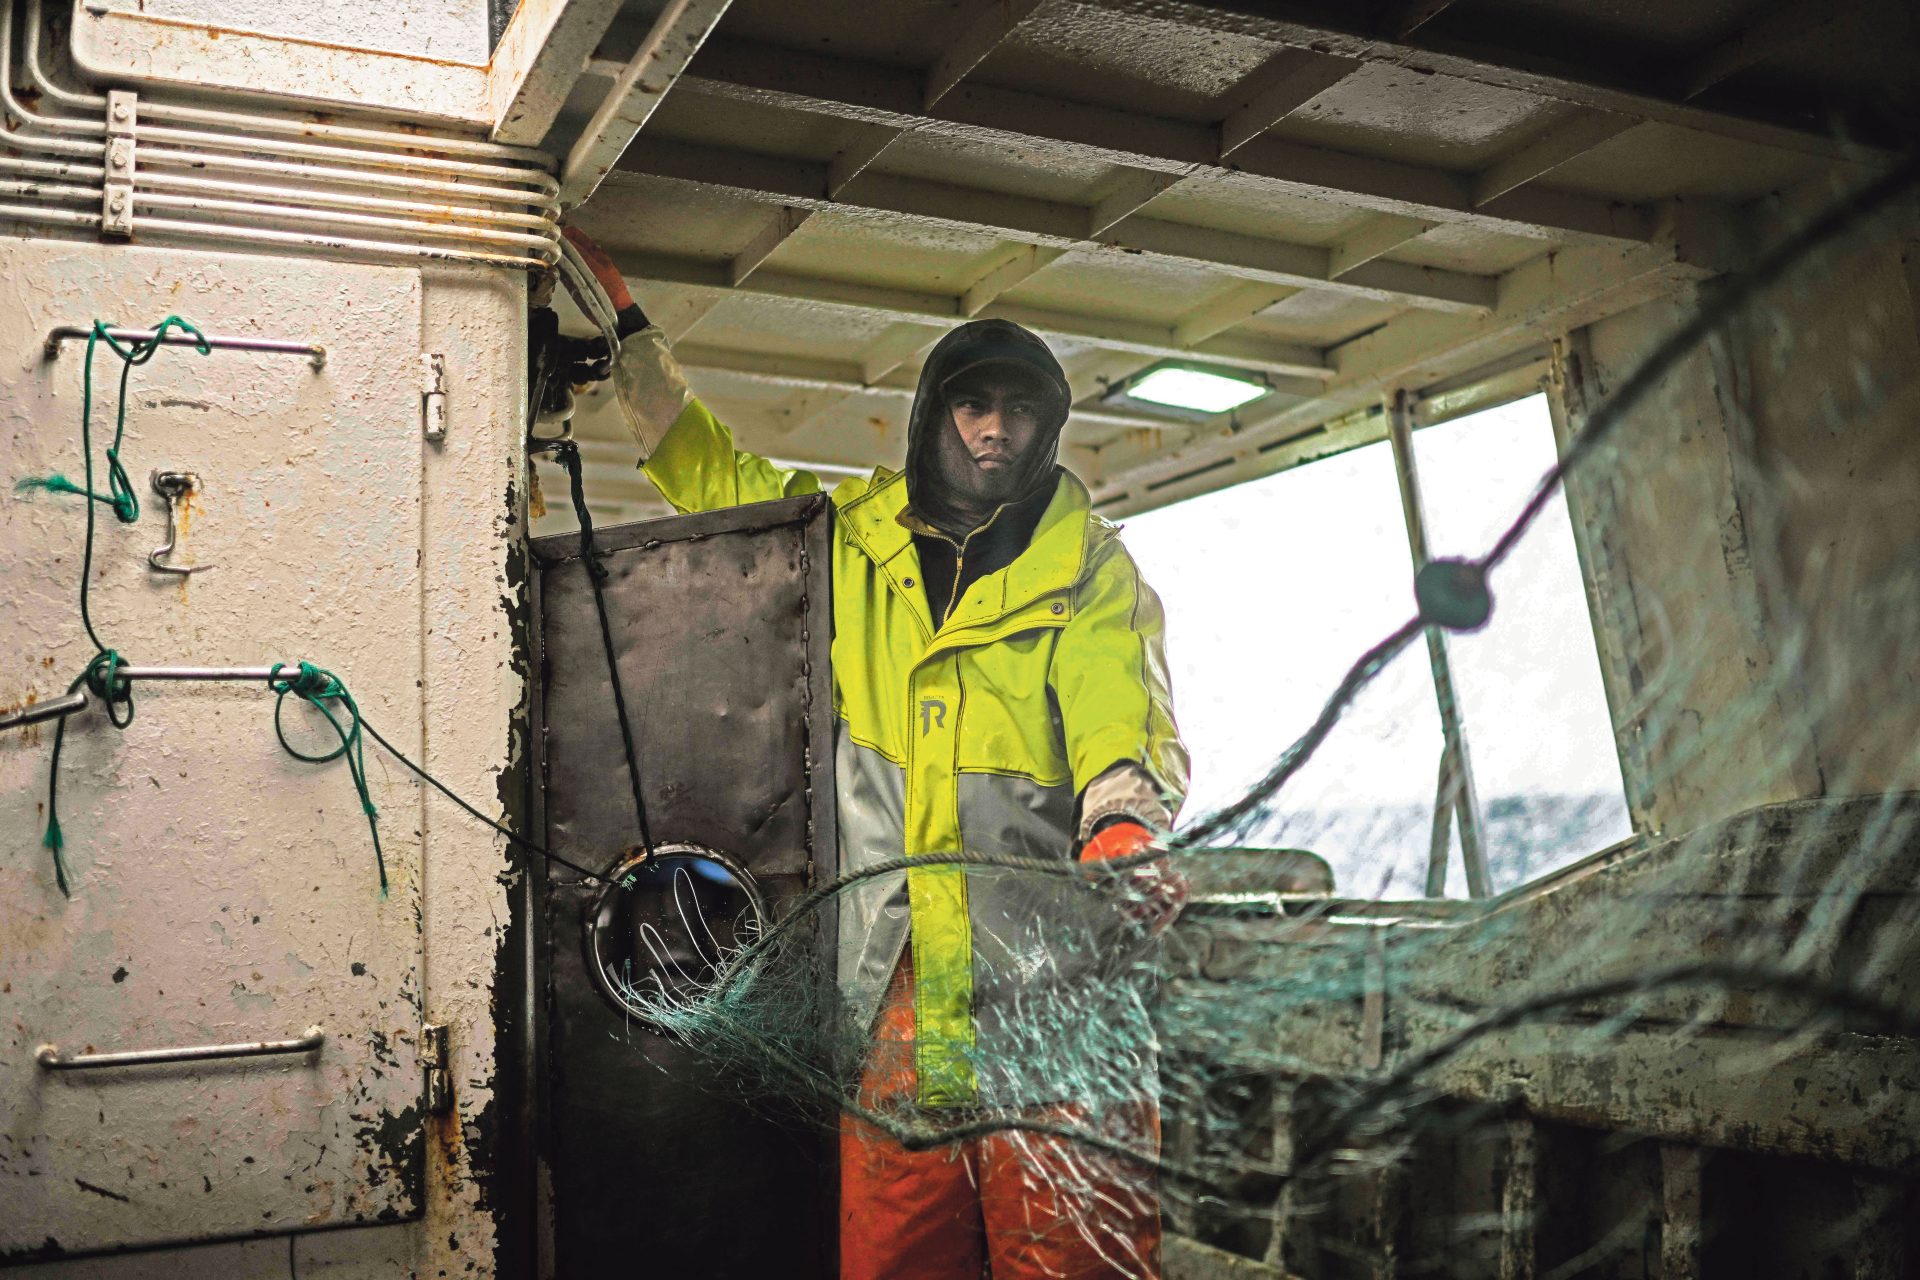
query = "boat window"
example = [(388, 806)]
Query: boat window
[(1537, 725), (1272, 588)]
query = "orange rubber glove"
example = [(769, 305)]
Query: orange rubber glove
[(602, 267), (1158, 891)]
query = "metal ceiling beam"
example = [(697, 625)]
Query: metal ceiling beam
[(1288, 81), (1223, 312), (902, 344), (1291, 366), (1542, 299), (541, 54), (1773, 29), (1125, 196), (843, 380), (679, 31), (993, 21), (1549, 151), (1381, 234), (1404, 17), (1058, 226), (795, 80), (778, 229), (987, 24), (1543, 75), (1019, 263)]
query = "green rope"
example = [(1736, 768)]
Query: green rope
[(102, 675), (120, 495), (317, 687)]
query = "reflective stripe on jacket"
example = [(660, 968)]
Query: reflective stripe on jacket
[(976, 737)]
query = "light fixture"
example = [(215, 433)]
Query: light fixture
[(1190, 391)]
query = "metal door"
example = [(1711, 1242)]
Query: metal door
[(660, 1162), (223, 891)]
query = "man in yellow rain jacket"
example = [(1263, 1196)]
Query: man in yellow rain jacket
[(1001, 687)]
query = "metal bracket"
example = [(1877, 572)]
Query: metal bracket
[(174, 486), (433, 392), (436, 1052), (116, 199)]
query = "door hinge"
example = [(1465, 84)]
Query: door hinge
[(437, 1053), (433, 395)]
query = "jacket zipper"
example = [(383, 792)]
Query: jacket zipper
[(960, 561)]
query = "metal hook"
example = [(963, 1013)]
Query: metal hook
[(174, 486)]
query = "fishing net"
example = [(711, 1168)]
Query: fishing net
[(1675, 1039)]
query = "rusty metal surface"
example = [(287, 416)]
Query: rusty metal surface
[(1558, 1134), (722, 628)]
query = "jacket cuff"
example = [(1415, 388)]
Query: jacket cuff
[(651, 389), (1124, 791), (629, 320)]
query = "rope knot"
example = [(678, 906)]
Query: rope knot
[(307, 681), (317, 687), (104, 681)]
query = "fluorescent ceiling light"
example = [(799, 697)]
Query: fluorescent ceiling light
[(1196, 390)]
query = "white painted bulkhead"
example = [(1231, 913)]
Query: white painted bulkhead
[(223, 891)]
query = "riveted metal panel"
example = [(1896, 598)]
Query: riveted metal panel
[(222, 891), (721, 622)]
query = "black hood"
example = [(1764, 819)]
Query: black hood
[(976, 343)]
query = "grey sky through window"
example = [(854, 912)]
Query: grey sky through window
[(1273, 587)]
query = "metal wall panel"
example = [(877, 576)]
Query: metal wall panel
[(660, 1163), (223, 891)]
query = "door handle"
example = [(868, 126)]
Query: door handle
[(54, 1058)]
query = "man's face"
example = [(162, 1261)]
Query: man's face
[(996, 418)]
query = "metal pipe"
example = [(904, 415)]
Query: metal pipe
[(1445, 795), (72, 703), (445, 230), (533, 205), (586, 290), (148, 180), (53, 1058), (52, 709), (347, 155), (292, 125), (54, 169), (289, 169), (257, 675), (25, 116), (58, 146), (341, 155), (1473, 853), (174, 338), (351, 244), (49, 191), (40, 213)]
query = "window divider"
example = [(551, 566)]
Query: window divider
[(1456, 772)]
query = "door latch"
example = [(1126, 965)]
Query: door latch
[(176, 487), (437, 1053)]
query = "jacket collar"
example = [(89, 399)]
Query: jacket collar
[(1052, 562)]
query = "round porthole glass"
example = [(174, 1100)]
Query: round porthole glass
[(662, 929)]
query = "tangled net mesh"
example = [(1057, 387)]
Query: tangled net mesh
[(1380, 1080)]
